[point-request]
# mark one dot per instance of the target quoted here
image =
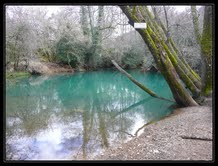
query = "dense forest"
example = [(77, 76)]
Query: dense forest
[(89, 37)]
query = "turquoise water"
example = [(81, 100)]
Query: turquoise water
[(77, 116)]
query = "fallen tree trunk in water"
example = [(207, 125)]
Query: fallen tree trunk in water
[(151, 93)]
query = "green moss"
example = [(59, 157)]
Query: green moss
[(163, 27), (185, 77), (12, 75), (174, 45), (134, 10), (206, 44), (154, 37), (149, 13), (184, 64), (185, 69), (196, 23), (150, 41), (150, 20), (206, 48), (190, 69), (180, 94), (135, 19), (207, 91), (142, 11), (173, 58)]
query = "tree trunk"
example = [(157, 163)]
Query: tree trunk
[(84, 21), (95, 34), (205, 42), (151, 93), (196, 24), (165, 55), (97, 38), (206, 52), (86, 28)]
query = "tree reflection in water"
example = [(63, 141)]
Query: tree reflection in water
[(77, 116)]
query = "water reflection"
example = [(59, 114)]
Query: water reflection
[(77, 116)]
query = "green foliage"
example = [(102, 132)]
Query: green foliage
[(109, 55), (15, 52), (70, 51), (132, 59), (47, 54)]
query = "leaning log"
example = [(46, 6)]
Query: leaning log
[(144, 88)]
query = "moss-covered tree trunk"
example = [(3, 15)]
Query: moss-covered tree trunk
[(178, 74), (206, 51), (195, 21), (205, 42)]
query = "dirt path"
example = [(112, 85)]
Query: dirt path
[(185, 135)]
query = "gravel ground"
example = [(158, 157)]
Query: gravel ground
[(184, 135)]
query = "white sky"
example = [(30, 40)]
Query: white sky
[(53, 9), (179, 8)]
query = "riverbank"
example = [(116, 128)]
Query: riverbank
[(184, 135), (39, 68), (12, 75), (47, 68)]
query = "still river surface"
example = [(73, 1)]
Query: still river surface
[(78, 116)]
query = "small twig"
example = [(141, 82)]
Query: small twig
[(136, 133), (125, 133)]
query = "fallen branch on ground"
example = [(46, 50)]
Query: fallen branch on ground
[(196, 138)]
